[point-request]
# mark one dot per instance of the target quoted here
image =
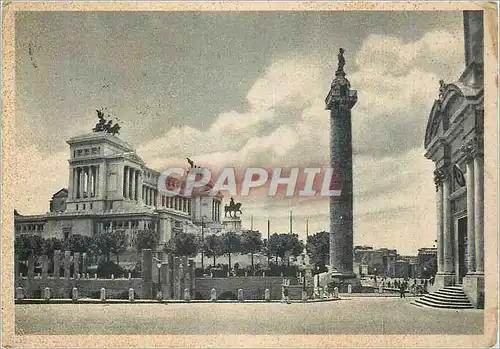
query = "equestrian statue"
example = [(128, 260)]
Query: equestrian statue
[(232, 209)]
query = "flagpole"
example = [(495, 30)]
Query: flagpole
[(268, 236)]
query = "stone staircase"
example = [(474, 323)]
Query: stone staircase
[(451, 297)]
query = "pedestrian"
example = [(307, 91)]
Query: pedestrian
[(286, 295), (402, 291)]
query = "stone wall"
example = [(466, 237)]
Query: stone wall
[(253, 286), (176, 275), (87, 288)]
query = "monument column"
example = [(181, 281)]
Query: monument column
[(132, 184), (340, 100), (82, 182), (89, 181), (71, 181), (125, 181), (136, 189)]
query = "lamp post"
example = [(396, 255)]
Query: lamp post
[(317, 276), (202, 246), (159, 294)]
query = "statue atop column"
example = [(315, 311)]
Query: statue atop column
[(341, 58)]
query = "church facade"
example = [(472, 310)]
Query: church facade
[(110, 187), (454, 142)]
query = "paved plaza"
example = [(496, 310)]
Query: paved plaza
[(369, 315)]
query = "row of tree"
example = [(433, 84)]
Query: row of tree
[(114, 243)]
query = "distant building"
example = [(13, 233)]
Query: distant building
[(427, 262), (381, 261), (111, 188)]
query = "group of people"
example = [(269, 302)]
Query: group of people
[(405, 285)]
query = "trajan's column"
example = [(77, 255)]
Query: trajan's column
[(340, 101)]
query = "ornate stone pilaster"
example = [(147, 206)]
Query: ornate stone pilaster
[(447, 225), (468, 149), (479, 202), (439, 176)]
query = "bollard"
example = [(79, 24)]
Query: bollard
[(103, 294), (131, 294), (187, 295), (240, 295), (304, 296), (213, 295), (46, 293), (336, 292), (129, 276), (19, 293), (74, 294), (267, 295), (349, 288)]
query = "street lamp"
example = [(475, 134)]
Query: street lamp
[(317, 276), (159, 295)]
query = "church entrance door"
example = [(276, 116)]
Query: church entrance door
[(462, 249)]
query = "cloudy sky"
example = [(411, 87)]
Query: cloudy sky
[(243, 89)]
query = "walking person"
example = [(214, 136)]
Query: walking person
[(286, 295), (402, 290)]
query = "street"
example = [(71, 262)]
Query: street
[(357, 315)]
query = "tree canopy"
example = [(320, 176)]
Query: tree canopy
[(251, 243), (183, 244), (213, 247), (146, 239), (318, 248)]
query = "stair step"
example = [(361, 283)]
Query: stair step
[(426, 303), (437, 299), (450, 292), (452, 296)]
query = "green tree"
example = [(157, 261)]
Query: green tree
[(251, 243), (52, 244), (183, 244), (146, 239), (284, 246), (113, 242), (27, 244), (318, 248), (213, 246), (231, 244), (79, 243)]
